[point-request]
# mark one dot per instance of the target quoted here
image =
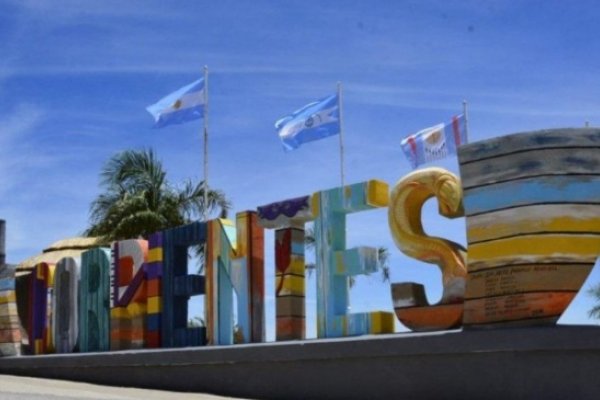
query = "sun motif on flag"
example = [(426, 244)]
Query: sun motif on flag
[(434, 137), (310, 121), (177, 104)]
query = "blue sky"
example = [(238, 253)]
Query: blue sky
[(75, 78)]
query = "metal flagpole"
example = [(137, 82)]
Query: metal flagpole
[(466, 120), (205, 211), (339, 93)]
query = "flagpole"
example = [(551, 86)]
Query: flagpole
[(466, 119), (339, 93), (205, 210)]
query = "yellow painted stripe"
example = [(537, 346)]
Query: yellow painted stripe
[(378, 193), (296, 266), (226, 222), (136, 309), (523, 226), (155, 254), (381, 322), (154, 305), (39, 270), (241, 224), (8, 298), (40, 273), (292, 285), (339, 263), (535, 248), (131, 311), (119, 312), (49, 339), (315, 204), (51, 270)]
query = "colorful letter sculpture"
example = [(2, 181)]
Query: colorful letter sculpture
[(532, 202), (128, 301), (10, 333), (288, 217), (532, 206), (249, 271), (178, 286), (289, 283), (235, 262), (40, 309), (406, 202), (94, 301), (335, 264), (154, 271), (64, 305)]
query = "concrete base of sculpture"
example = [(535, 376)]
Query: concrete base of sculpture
[(550, 363)]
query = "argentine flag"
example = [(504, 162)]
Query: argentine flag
[(183, 105), (314, 121)]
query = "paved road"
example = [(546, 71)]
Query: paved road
[(20, 388)]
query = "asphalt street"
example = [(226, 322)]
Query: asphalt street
[(22, 388)]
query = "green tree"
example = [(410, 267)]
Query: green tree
[(138, 200), (595, 293)]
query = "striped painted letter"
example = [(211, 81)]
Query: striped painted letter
[(288, 218), (40, 309), (128, 298), (10, 334), (235, 262), (154, 273), (532, 202), (335, 264)]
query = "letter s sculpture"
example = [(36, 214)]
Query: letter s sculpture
[(406, 201)]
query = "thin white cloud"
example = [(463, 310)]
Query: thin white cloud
[(15, 130), (68, 10), (173, 67)]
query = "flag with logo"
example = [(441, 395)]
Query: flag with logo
[(436, 142), (183, 105), (314, 121)]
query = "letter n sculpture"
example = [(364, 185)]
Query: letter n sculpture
[(235, 262)]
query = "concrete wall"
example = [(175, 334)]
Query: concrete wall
[(548, 363)]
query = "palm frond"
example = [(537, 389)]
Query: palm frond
[(594, 292), (138, 200)]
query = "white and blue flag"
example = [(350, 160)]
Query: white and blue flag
[(436, 142), (183, 105), (314, 121)]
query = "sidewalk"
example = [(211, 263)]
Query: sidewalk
[(22, 388)]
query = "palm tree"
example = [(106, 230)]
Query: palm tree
[(138, 199), (595, 292)]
